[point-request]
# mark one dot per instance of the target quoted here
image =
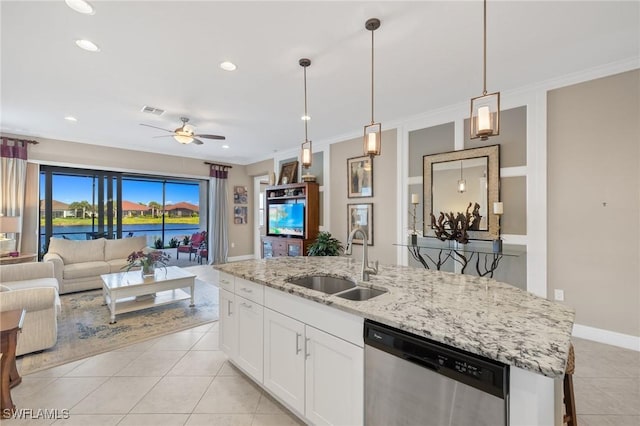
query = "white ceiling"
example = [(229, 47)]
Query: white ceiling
[(166, 54)]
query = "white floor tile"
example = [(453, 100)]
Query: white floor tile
[(181, 341), (58, 371), (152, 363), (62, 394), (118, 395), (173, 395), (230, 395), (275, 420), (209, 342), (199, 363), (90, 419), (106, 364), (154, 420), (220, 420)]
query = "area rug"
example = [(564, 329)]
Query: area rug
[(84, 329)]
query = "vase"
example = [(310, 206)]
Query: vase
[(148, 270)]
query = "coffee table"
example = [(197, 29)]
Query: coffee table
[(129, 291)]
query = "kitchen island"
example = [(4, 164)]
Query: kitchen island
[(478, 315)]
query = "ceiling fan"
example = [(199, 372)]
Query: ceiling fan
[(185, 134)]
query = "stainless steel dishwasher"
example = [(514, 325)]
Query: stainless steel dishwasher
[(413, 381)]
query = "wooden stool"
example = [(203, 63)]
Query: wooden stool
[(570, 417)]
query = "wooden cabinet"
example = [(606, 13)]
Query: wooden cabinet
[(279, 246), (307, 194)]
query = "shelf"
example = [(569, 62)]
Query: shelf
[(288, 197)]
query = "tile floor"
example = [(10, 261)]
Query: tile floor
[(184, 379), (178, 379)]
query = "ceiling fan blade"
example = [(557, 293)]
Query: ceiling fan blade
[(155, 127), (197, 141), (211, 137), (163, 136)]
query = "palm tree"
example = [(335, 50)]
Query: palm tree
[(84, 205), (155, 208)]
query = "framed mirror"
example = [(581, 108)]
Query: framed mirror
[(453, 180)]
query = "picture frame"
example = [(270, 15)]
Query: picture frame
[(360, 177), (240, 195), (361, 215), (288, 173), (240, 215)]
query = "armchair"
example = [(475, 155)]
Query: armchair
[(197, 240)]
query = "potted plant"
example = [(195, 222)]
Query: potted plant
[(158, 243), (147, 261), (325, 245)]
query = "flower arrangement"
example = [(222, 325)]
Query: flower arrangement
[(147, 261)]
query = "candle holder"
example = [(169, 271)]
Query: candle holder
[(414, 214)]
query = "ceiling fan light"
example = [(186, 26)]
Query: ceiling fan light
[(87, 45), (228, 66), (183, 139), (80, 6)]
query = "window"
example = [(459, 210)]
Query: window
[(86, 204)]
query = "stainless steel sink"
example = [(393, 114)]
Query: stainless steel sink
[(323, 283), (361, 293)]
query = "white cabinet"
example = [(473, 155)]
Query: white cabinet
[(284, 358), (249, 332), (307, 355), (317, 374), (334, 380), (228, 324)]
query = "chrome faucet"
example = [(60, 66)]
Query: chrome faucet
[(366, 268)]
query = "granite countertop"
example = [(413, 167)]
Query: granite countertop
[(478, 315)]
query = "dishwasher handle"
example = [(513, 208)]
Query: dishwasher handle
[(423, 362)]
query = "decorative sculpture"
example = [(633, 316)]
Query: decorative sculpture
[(454, 227)]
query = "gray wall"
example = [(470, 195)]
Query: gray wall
[(513, 190), (384, 199), (593, 200)]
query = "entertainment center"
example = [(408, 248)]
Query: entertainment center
[(293, 219)]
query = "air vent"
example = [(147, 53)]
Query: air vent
[(152, 110)]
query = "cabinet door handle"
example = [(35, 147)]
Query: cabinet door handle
[(298, 349), (229, 307), (307, 354), (246, 290), (246, 305)]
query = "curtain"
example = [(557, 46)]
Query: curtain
[(13, 175), (218, 238)]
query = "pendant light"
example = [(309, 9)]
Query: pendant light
[(373, 131), (306, 153), (462, 184), (485, 109)]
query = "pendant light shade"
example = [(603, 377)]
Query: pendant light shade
[(485, 109), (306, 153), (373, 131)]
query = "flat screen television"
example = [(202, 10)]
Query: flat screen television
[(286, 220)]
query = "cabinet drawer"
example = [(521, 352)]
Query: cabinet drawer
[(250, 290), (226, 281)]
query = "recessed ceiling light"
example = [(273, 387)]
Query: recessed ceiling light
[(71, 118), (228, 66), (305, 118), (225, 146), (87, 45), (80, 6)]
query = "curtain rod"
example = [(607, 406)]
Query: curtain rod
[(20, 140), (218, 165)]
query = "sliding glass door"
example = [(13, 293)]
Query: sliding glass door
[(87, 204)]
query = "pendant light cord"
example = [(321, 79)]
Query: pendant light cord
[(484, 48), (372, 121), (306, 116)]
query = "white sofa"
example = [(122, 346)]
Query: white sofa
[(33, 287), (78, 264)]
